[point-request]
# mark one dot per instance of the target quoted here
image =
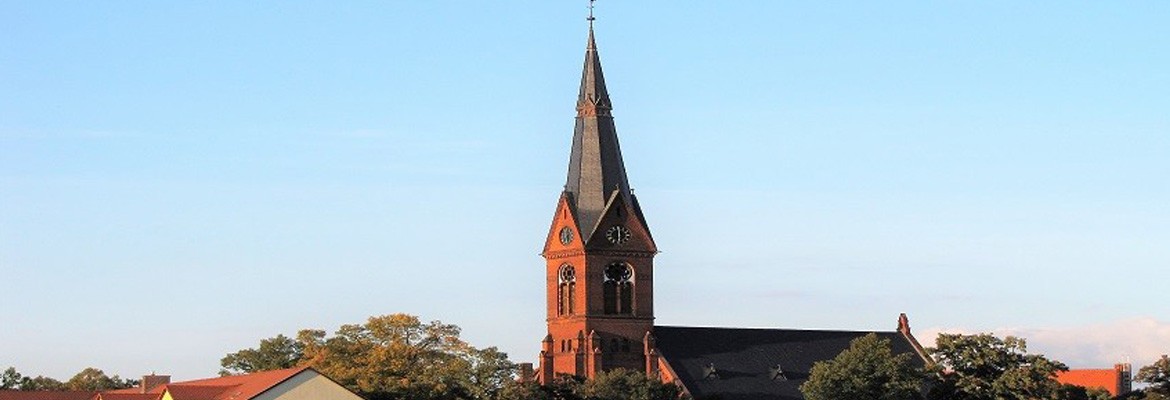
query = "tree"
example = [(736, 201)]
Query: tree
[(89, 379), (618, 384), (41, 383), (563, 387), (490, 372), (1157, 375), (624, 384), (93, 379), (984, 367), (10, 379), (528, 391), (1074, 392), (867, 370), (278, 352), (388, 357)]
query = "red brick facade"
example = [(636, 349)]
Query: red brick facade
[(587, 332)]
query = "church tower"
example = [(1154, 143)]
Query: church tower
[(599, 252)]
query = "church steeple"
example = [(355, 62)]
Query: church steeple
[(596, 170), (599, 256)]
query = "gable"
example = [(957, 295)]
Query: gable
[(233, 387), (563, 220), (308, 385), (619, 211), (745, 360)]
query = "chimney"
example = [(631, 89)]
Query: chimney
[(152, 381), (904, 324), (526, 373)]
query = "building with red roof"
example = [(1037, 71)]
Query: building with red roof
[(599, 296), (302, 383), (46, 395), (1116, 381)]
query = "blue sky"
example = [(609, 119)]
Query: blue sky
[(180, 180)]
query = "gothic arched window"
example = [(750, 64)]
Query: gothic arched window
[(566, 287), (619, 289)]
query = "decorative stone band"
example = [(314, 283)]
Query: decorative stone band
[(591, 108), (552, 255)]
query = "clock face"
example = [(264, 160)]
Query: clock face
[(618, 234), (566, 235)]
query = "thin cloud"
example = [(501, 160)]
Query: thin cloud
[(1139, 341)]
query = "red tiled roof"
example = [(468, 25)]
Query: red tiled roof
[(45, 395), (132, 390), (196, 392), (1107, 379), (129, 390), (235, 387), (135, 395)]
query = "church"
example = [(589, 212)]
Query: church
[(599, 275)]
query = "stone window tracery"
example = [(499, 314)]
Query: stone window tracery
[(619, 289), (566, 288)]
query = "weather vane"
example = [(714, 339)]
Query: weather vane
[(591, 12)]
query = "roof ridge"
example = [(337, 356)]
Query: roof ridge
[(773, 329), (298, 371)]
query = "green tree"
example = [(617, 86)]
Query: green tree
[(278, 352), (93, 379), (563, 387), (624, 384), (1074, 392), (867, 370), (490, 372), (618, 384), (1157, 375), (10, 379), (388, 357), (985, 367), (41, 383), (525, 391)]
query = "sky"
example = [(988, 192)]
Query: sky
[(179, 180)]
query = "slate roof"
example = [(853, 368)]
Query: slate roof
[(596, 168), (745, 360)]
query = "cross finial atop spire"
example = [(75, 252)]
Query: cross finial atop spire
[(591, 18)]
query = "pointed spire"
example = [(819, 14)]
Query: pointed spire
[(596, 169), (593, 98)]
